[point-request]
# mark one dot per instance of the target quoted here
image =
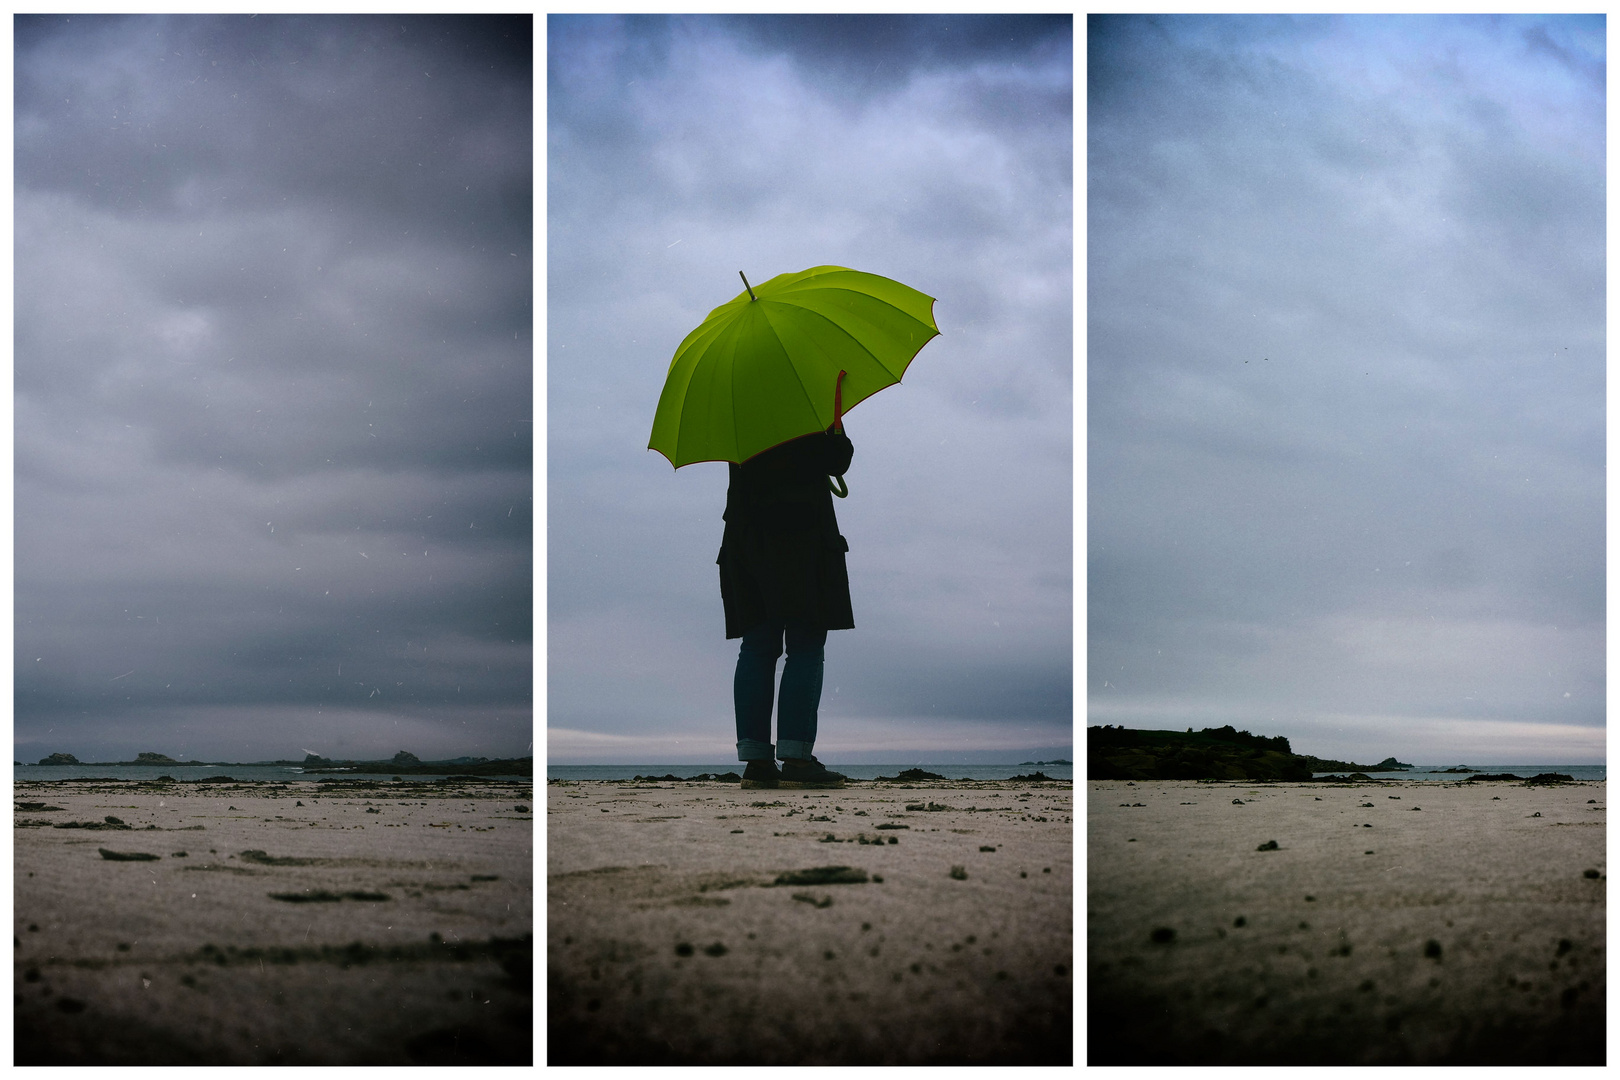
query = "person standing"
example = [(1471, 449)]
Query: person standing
[(784, 582)]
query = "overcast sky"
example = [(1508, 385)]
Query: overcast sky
[(273, 386), (1346, 382), (937, 151)]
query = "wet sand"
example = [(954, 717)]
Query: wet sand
[(376, 923), (1396, 923), (670, 941)]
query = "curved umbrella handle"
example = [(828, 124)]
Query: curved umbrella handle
[(836, 485)]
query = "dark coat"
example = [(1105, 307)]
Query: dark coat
[(781, 556)]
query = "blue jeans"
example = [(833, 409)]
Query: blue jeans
[(755, 683)]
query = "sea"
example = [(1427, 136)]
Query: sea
[(1437, 772), (854, 772), (281, 773)]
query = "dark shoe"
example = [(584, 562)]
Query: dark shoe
[(760, 774), (809, 773)]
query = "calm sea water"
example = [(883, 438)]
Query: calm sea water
[(854, 772), (1433, 772), (197, 772)]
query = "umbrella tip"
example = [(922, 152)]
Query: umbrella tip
[(747, 286)]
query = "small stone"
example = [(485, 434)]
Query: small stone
[(1237, 802), (684, 949), (1269, 845), (1162, 935), (959, 873), (1432, 949), (1585, 873), (1240, 921)]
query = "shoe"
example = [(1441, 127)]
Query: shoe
[(809, 773), (761, 774)]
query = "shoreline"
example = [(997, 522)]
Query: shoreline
[(697, 923), (1395, 922)]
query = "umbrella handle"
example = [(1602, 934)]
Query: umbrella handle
[(838, 404), (835, 483)]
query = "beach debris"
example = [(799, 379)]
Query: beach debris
[(1432, 949), (1590, 874), (717, 949), (829, 839), (1395, 797), (891, 825), (1417, 808), (823, 875), (1310, 899), (321, 896), (1564, 945), (88, 825), (1269, 845), (128, 856), (1237, 802), (821, 902), (1536, 814), (986, 847), (959, 873), (254, 855), (932, 807), (177, 855), (1366, 806), (1240, 921), (684, 949), (1162, 935), (1367, 853), (734, 832)]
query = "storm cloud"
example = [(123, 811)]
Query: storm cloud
[(273, 421), (1346, 382), (937, 151)]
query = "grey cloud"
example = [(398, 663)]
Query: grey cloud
[(1345, 366), (273, 381)]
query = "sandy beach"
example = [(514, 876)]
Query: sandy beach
[(699, 923), (1394, 923), (338, 923)]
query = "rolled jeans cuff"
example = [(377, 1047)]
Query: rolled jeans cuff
[(793, 748), (754, 750)]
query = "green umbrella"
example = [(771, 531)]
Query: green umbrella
[(785, 359)]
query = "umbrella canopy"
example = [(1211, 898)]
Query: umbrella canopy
[(765, 367)]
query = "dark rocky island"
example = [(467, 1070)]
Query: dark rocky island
[(1118, 753)]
